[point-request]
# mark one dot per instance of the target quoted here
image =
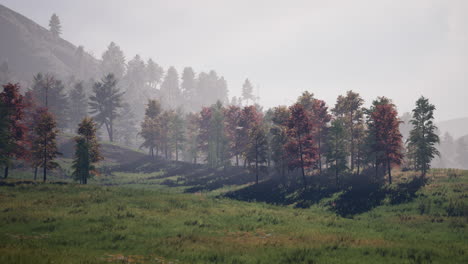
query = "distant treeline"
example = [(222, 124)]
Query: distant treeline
[(304, 137)]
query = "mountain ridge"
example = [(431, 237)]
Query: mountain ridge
[(29, 48)]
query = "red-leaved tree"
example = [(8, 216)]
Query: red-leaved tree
[(388, 139), (14, 139), (301, 146)]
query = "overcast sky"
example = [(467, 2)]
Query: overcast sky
[(400, 49)]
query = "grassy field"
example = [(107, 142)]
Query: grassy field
[(132, 218)]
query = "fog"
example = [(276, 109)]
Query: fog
[(402, 49)]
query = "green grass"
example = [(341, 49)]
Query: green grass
[(140, 221)]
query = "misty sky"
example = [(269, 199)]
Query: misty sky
[(400, 49)]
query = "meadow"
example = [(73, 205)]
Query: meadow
[(135, 218)]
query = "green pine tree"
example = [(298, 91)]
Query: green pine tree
[(423, 137)]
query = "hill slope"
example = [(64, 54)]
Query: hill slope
[(455, 127), (28, 48)]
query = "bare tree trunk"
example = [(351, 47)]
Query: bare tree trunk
[(177, 151), (44, 173), (35, 173), (256, 164), (302, 163), (45, 160), (5, 175), (352, 142), (389, 171), (320, 153)]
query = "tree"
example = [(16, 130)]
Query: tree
[(78, 104), (233, 115), (150, 130), (247, 91), (388, 139), (13, 140), (105, 102), (336, 150), (279, 132), (250, 117), (301, 145), (31, 118), (423, 137), (349, 108), (257, 149), (54, 26), (212, 136), (321, 118), (307, 100), (192, 135), (86, 151), (164, 134), (170, 90), (154, 73), (176, 134), (217, 144), (188, 87), (45, 145), (113, 61), (50, 93)]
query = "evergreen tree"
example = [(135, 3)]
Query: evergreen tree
[(177, 132), (50, 93), (188, 87), (45, 144), (423, 137), (86, 151), (247, 91), (13, 140), (105, 102), (154, 73), (349, 109), (336, 150), (164, 134), (150, 130), (170, 90), (279, 134), (233, 117), (257, 149), (307, 100), (54, 26), (192, 135), (217, 144), (78, 104), (321, 118), (113, 61)]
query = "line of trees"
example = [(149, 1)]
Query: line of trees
[(29, 132), (305, 137)]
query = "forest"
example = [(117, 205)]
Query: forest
[(128, 162)]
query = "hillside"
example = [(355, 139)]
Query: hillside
[(455, 127), (28, 48)]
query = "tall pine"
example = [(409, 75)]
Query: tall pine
[(423, 137)]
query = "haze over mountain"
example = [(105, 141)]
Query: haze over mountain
[(29, 48), (402, 49)]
